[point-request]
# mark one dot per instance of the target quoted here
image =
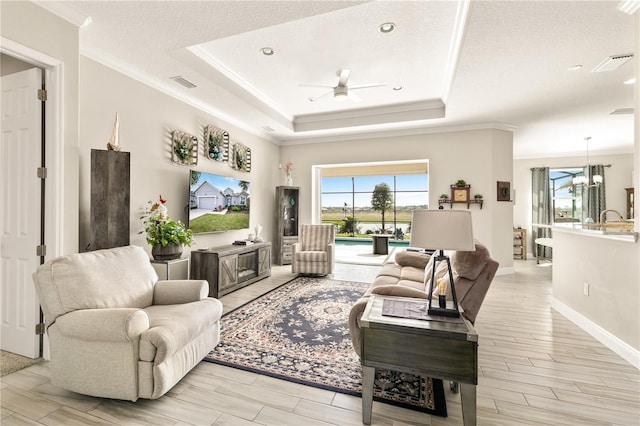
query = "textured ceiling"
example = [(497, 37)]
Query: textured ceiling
[(461, 65)]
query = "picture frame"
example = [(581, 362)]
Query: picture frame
[(503, 191), (216, 143), (240, 157), (184, 148)]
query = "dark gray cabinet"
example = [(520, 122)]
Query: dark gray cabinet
[(287, 198), (110, 177), (229, 268)]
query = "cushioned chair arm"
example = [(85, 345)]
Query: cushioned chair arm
[(400, 291), (175, 292), (109, 324), (354, 322)]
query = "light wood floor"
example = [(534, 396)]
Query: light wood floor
[(536, 367)]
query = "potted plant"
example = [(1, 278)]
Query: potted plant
[(461, 182), (166, 236), (444, 196), (478, 197)]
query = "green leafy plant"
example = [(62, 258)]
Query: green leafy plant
[(444, 196), (161, 229), (478, 196), (461, 182)]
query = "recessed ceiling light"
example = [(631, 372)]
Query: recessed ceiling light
[(630, 81), (575, 67), (397, 87), (267, 51), (387, 27)]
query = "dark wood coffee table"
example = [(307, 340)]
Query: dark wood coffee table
[(441, 350)]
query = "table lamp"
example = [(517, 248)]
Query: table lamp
[(441, 230)]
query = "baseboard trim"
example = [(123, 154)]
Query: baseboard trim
[(624, 350)]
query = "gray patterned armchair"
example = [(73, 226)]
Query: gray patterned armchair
[(115, 331), (315, 252)]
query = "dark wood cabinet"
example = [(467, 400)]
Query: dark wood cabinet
[(110, 177), (630, 203), (287, 198), (231, 267)]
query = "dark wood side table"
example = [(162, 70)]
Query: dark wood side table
[(441, 350)]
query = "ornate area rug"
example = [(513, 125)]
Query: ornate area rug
[(300, 332)]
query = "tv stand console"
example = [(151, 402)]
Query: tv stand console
[(229, 268)]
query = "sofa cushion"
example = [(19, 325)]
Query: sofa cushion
[(120, 277), (311, 256), (412, 274), (172, 327), (469, 264), (409, 258)]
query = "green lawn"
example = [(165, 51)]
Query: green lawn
[(369, 216), (219, 222)]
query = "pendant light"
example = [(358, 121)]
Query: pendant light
[(584, 180)]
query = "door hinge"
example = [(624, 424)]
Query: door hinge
[(40, 328), (41, 172), (42, 95), (41, 250)]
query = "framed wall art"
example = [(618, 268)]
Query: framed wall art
[(240, 157), (184, 148), (216, 143), (504, 191)]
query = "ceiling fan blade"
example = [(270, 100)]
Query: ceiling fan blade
[(315, 98), (344, 77), (354, 97), (366, 86), (315, 85)]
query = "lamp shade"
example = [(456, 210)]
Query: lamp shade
[(442, 230)]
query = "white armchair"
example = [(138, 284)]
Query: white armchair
[(315, 252), (115, 331)]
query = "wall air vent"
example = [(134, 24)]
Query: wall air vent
[(622, 111), (183, 81), (612, 62)]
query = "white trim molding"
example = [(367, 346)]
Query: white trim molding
[(621, 348)]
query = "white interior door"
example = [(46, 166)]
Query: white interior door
[(20, 215)]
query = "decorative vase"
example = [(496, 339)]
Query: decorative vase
[(289, 180), (168, 252)]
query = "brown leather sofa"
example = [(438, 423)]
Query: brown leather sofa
[(405, 277)]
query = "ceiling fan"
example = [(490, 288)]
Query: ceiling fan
[(342, 91)]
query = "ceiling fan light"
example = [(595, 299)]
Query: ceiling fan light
[(340, 93)]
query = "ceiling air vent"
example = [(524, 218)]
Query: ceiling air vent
[(622, 111), (612, 62), (183, 81)]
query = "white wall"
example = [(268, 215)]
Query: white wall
[(479, 157), (617, 178), (31, 26), (147, 118)]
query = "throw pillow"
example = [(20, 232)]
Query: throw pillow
[(408, 258)]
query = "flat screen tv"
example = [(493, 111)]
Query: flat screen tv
[(217, 203)]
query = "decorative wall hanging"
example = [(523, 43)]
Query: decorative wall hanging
[(504, 191), (240, 157), (184, 148), (216, 143)]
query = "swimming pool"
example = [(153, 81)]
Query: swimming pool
[(347, 241)]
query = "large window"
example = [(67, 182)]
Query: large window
[(348, 202), (566, 200)]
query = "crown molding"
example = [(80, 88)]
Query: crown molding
[(65, 12), (420, 129), (144, 78), (407, 111)]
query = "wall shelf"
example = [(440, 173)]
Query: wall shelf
[(468, 202)]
